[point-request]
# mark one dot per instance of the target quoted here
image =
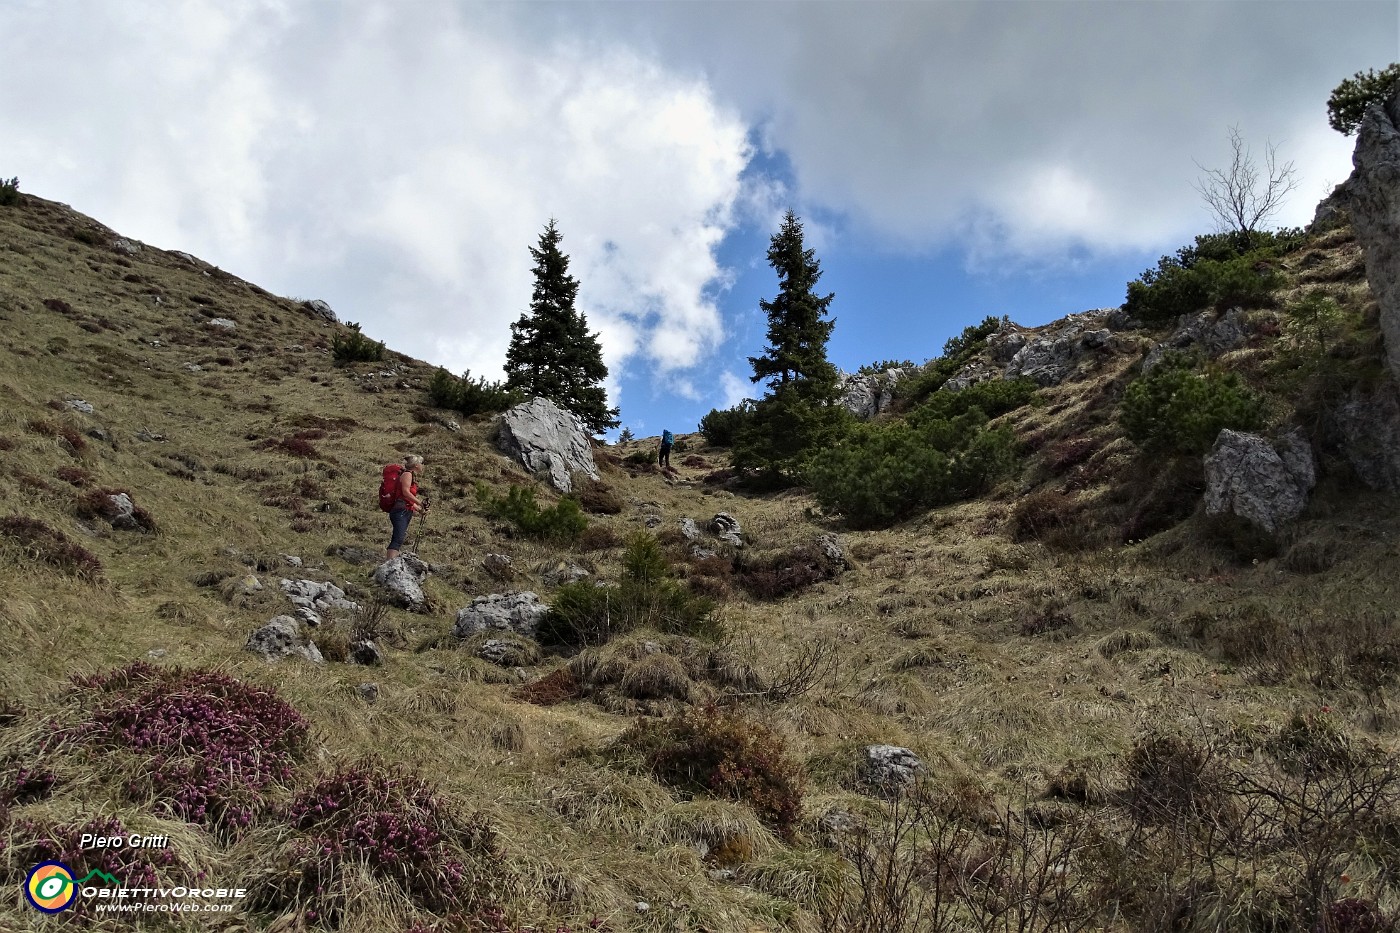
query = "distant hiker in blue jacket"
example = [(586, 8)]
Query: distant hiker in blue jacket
[(667, 439)]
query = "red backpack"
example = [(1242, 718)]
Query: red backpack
[(389, 488)]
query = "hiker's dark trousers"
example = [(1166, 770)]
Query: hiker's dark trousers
[(665, 457), (399, 517)]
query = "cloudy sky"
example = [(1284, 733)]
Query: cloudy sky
[(397, 158)]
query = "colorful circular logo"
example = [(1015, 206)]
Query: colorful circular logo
[(50, 887)]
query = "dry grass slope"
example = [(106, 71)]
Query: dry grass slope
[(1116, 736)]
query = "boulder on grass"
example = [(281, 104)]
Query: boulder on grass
[(547, 439)]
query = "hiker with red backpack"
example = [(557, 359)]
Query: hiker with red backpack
[(398, 495)]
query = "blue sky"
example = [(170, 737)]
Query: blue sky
[(397, 158)]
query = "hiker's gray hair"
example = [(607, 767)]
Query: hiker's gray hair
[(412, 461)]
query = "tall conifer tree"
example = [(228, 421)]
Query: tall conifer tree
[(551, 352), (799, 414)]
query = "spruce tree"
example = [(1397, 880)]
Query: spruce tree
[(551, 352), (799, 414)]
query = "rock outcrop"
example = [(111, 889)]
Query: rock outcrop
[(1052, 357), (312, 598), (865, 395), (547, 439), (321, 309), (1368, 425), (1263, 484), (1372, 197), (1369, 422), (518, 613), (1205, 330), (726, 527)]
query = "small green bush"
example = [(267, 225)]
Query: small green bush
[(9, 191), (355, 347), (724, 754), (563, 522), (722, 426), (648, 596), (470, 396), (641, 457), (1173, 410)]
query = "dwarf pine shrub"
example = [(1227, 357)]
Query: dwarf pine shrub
[(562, 522), (648, 596), (1220, 271), (355, 347), (722, 426), (470, 396), (9, 191), (881, 473), (1174, 410)]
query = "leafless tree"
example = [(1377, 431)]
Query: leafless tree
[(1242, 196)]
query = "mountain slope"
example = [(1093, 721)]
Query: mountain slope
[(1040, 677)]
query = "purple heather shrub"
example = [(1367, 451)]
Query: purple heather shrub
[(209, 744), (396, 825)]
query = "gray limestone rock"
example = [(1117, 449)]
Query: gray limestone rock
[(519, 613), (971, 374), (1372, 197), (1369, 427), (367, 653), (726, 527), (689, 530), (402, 581), (547, 439), (1250, 479), (560, 572), (867, 394), (889, 768), (498, 565), (222, 322), (77, 404), (1211, 332), (321, 309), (319, 597), (831, 548), (1054, 356), (281, 637)]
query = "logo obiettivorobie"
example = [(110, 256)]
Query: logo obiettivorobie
[(50, 887)]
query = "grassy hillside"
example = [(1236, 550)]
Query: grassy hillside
[(1169, 733)]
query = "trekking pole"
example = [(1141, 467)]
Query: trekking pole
[(422, 519)]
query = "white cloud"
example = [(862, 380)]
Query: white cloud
[(1034, 128), (735, 389), (395, 159)]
